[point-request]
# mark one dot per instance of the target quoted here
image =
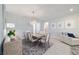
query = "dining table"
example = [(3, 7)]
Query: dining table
[(38, 36)]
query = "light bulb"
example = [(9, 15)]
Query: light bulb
[(71, 9)]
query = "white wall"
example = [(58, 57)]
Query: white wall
[(73, 18), (23, 23)]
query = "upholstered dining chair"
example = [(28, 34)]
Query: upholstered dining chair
[(45, 39), (30, 37)]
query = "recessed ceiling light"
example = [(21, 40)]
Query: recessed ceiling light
[(71, 9)]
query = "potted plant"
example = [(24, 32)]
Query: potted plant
[(11, 34)]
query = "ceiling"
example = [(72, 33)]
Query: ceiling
[(44, 11)]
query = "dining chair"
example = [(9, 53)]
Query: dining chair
[(31, 38), (45, 40), (25, 35)]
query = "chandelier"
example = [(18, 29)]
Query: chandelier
[(33, 17)]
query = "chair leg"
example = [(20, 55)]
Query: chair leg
[(45, 47)]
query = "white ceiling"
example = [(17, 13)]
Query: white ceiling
[(43, 10)]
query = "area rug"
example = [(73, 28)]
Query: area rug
[(34, 48)]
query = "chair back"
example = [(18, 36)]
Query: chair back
[(45, 38), (29, 36)]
